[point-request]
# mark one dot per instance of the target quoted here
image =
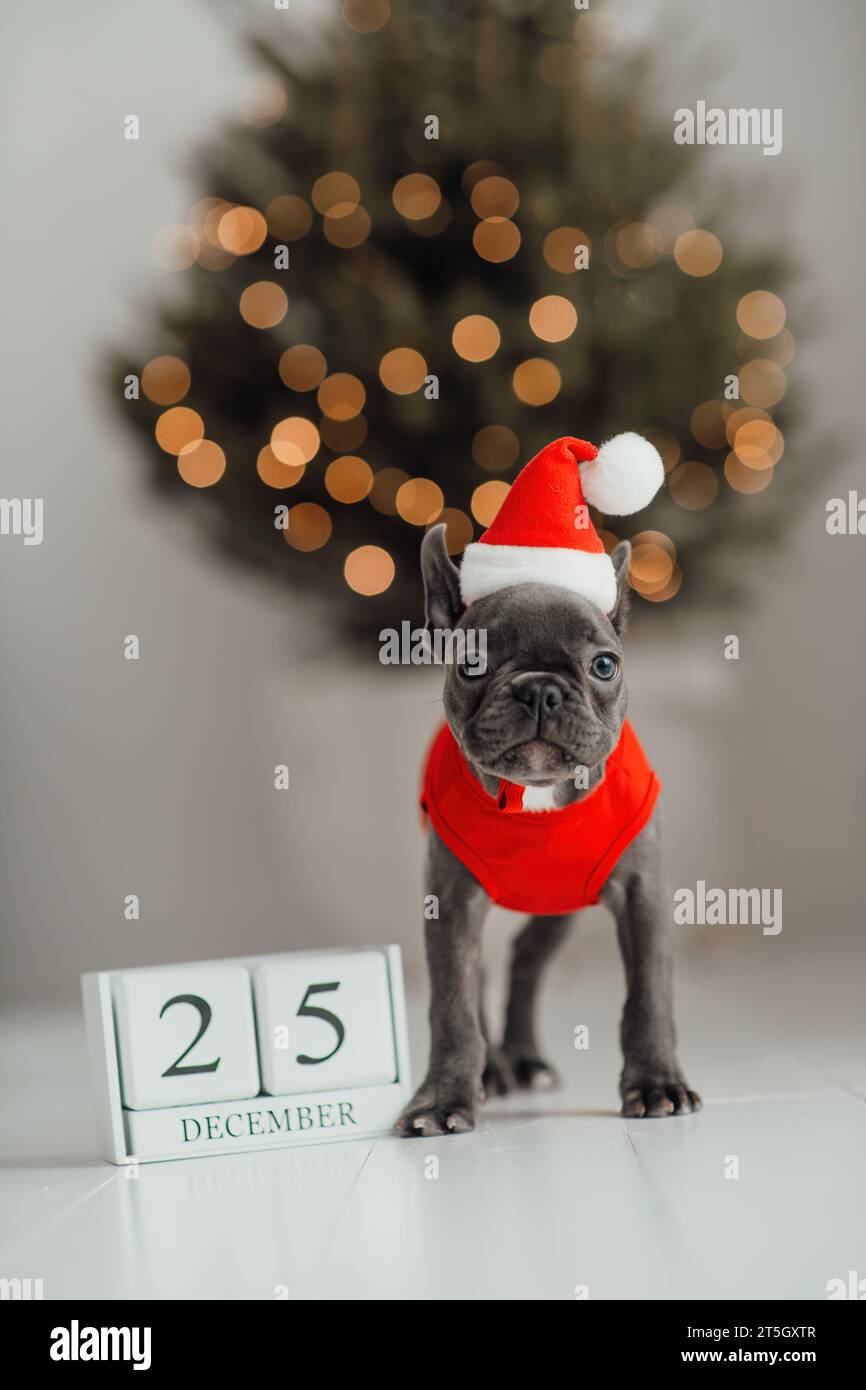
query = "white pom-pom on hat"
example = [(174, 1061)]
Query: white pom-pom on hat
[(624, 476)]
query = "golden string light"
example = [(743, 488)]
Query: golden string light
[(698, 252), (487, 499), (458, 529), (386, 484), (419, 501), (496, 239), (366, 16), (416, 196), (494, 196), (178, 427), (402, 370), (309, 527), (348, 479), (201, 464), (241, 230), (475, 338), (369, 570), (295, 440), (302, 367), (536, 381), (165, 380), (761, 314), (288, 217), (275, 473), (263, 304), (341, 396), (693, 486), (553, 318)]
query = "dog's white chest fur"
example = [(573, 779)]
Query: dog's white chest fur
[(539, 798)]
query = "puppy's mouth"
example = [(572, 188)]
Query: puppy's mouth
[(538, 759)]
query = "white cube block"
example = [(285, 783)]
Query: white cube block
[(185, 1033), (324, 1022)]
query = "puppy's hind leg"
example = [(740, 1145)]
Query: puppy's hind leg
[(498, 1078), (530, 952)]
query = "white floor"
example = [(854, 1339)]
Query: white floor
[(549, 1194)]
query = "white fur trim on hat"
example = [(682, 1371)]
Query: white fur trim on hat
[(624, 476), (488, 568)]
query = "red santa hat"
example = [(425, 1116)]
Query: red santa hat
[(543, 533)]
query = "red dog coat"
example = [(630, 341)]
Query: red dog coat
[(539, 861)]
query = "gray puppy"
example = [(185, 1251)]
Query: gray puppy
[(546, 705)]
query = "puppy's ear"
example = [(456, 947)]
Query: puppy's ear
[(443, 605), (619, 613)]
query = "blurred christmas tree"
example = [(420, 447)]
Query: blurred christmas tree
[(388, 307)]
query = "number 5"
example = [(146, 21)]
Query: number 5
[(311, 1011)]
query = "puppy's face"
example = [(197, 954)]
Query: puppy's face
[(551, 696)]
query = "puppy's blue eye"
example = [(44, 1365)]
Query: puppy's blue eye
[(472, 673), (604, 666)]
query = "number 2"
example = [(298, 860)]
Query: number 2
[(205, 1014), (311, 1011)]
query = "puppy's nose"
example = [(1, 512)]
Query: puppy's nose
[(540, 695)]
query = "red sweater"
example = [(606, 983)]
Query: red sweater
[(539, 861)]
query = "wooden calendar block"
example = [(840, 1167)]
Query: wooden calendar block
[(324, 1022), (185, 1034), (175, 1053)]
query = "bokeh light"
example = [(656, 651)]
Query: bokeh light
[(366, 16), (341, 396), (762, 382), (201, 464), (560, 247), (165, 380), (348, 479), (302, 367), (347, 228), (274, 472), (419, 501), (263, 304), (369, 570), (288, 217), (175, 248), (458, 529), (309, 526), (416, 196), (693, 486), (758, 444), (494, 196), (178, 427), (553, 318), (743, 478), (495, 448), (708, 424), (667, 446), (295, 440), (335, 189), (242, 230), (496, 239), (536, 381), (343, 435), (596, 35), (637, 245), (263, 100), (698, 252), (386, 484), (761, 314), (475, 338), (487, 499), (402, 370)]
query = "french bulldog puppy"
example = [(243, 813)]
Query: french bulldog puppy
[(553, 698)]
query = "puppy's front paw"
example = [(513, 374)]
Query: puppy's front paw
[(656, 1098), (438, 1110)]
